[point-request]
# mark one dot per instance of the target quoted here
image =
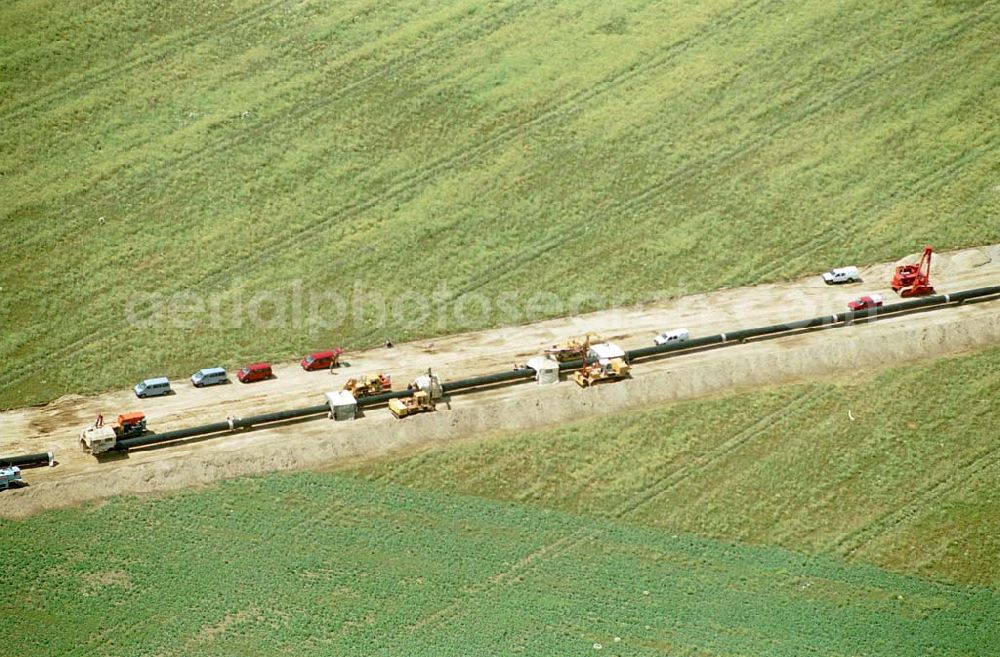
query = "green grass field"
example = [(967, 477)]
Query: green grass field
[(326, 565), (249, 147), (911, 484), (759, 523), (215, 152)]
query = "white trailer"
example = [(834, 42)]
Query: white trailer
[(343, 405)]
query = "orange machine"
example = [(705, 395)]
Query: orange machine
[(914, 280)]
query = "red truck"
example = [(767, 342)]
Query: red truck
[(321, 360), (866, 302), (255, 372)]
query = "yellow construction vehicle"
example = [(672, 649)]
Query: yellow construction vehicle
[(602, 363), (368, 384), (427, 390), (418, 402), (571, 349)]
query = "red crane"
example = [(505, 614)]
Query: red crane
[(914, 280)]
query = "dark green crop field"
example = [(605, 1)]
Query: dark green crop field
[(326, 565), (185, 184)]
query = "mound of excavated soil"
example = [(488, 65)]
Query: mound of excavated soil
[(320, 443)]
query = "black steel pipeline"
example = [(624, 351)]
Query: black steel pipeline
[(218, 427), (451, 386), (974, 293), (816, 322), (527, 373), (489, 379), (705, 341), (27, 460), (382, 397), (267, 418), (153, 438), (278, 416)]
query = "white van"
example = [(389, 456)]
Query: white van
[(152, 388), (208, 376), (679, 335)]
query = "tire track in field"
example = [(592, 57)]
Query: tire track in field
[(576, 538), (846, 231), (855, 84), (302, 111), (526, 563), (409, 183), (340, 68), (922, 500), (261, 128), (11, 376), (928, 182), (819, 499), (799, 405), (923, 184), (973, 203), (398, 475), (754, 142), (597, 474), (526, 256), (512, 264), (92, 78)]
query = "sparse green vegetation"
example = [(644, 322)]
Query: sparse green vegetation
[(322, 564), (240, 147)]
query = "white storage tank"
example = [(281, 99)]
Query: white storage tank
[(546, 370), (343, 405)]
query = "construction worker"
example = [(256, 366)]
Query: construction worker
[(100, 421)]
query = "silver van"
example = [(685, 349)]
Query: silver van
[(208, 376), (152, 388)]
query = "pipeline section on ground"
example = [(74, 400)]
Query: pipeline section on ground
[(525, 373), (27, 460)]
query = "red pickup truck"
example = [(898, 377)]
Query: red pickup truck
[(866, 302)]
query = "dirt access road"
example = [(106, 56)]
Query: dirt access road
[(317, 443)]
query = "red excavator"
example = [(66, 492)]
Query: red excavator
[(914, 280)]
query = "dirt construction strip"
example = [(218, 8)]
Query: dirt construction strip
[(840, 352)]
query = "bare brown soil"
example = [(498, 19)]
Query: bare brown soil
[(845, 351)]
